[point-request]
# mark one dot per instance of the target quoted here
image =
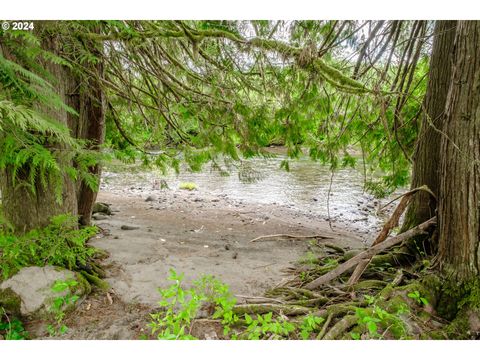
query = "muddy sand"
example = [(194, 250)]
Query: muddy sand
[(195, 233)]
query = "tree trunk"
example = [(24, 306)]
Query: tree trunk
[(25, 210), (427, 153), (459, 196), (88, 100), (94, 117), (22, 208)]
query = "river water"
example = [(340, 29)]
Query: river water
[(305, 188)]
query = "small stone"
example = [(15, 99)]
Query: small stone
[(150, 198), (227, 247), (235, 255), (99, 217), (101, 208), (129, 227), (116, 237)]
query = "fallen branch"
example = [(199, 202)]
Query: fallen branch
[(289, 236), (266, 308), (387, 228), (339, 270), (421, 188), (258, 299)]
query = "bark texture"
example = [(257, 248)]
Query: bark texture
[(90, 125), (426, 169), (459, 200)]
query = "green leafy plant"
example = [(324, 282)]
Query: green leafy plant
[(310, 324), (217, 294), (174, 322), (266, 327), (180, 307), (418, 297), (60, 304), (374, 318), (377, 189), (309, 258), (369, 321), (61, 243), (11, 329)]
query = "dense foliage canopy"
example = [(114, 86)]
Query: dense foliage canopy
[(213, 91)]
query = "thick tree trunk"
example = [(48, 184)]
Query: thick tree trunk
[(22, 208), (459, 200), (427, 154), (88, 100), (94, 114), (26, 210)]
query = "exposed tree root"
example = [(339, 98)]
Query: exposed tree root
[(322, 332), (366, 284), (258, 299), (95, 280), (336, 248), (387, 228), (288, 236), (274, 308), (341, 327), (420, 229), (395, 298)]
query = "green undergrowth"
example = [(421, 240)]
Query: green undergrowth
[(64, 300), (11, 328), (384, 316), (180, 308), (61, 243)]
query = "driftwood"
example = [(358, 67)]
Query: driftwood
[(258, 299), (387, 228), (272, 237), (367, 254), (266, 308)]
